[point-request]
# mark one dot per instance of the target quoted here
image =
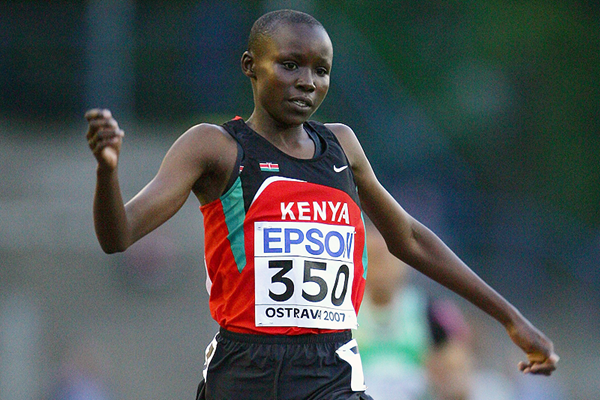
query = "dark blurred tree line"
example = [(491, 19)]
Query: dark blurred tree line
[(514, 85)]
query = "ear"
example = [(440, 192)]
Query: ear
[(248, 64)]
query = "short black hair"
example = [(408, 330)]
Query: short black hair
[(269, 22)]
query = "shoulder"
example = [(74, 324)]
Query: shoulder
[(340, 130), (349, 142), (205, 141), (346, 136), (208, 153), (207, 132), (203, 148)]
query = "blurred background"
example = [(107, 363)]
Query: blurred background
[(479, 116)]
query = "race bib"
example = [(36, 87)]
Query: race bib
[(303, 275)]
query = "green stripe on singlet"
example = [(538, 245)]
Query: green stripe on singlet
[(365, 259), (233, 208)]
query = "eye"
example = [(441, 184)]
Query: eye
[(321, 71), (290, 65)]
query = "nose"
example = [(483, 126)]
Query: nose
[(306, 81)]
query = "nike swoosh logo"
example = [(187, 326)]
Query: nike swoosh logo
[(339, 169)]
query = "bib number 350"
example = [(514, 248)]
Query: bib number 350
[(338, 292), (305, 293), (304, 274)]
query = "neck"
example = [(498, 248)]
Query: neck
[(270, 128), (292, 140)]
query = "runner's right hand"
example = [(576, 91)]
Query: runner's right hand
[(104, 137)]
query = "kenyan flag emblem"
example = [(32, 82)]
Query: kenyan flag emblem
[(269, 167)]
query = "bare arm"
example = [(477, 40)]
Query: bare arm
[(416, 245), (203, 154)]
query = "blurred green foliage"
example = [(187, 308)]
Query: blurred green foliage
[(514, 85)]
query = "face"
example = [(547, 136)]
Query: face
[(290, 73)]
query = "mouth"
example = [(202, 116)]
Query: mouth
[(302, 102)]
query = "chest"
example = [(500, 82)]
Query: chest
[(262, 163)]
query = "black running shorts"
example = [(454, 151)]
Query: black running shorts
[(277, 367)]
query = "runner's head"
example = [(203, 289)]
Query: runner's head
[(288, 61), (266, 26)]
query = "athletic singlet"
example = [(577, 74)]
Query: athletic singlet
[(285, 244)]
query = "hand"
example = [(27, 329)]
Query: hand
[(541, 357), (104, 137)]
